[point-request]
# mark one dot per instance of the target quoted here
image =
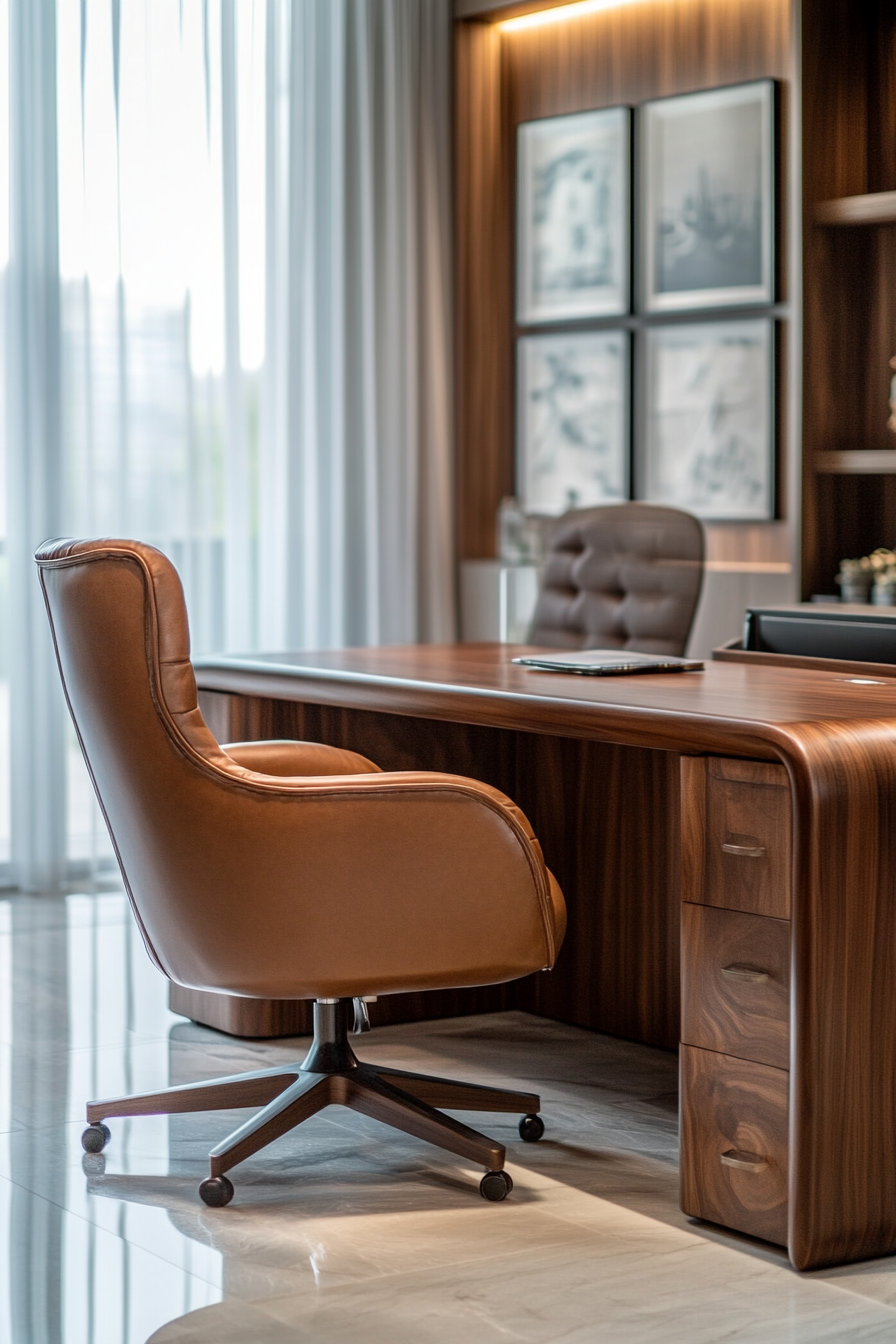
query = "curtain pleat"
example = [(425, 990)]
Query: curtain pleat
[(366, 518), (273, 447), (238, 622), (33, 446)]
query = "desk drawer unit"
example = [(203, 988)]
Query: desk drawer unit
[(735, 984), (734, 1143), (736, 949), (736, 822)]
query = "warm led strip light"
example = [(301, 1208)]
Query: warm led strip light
[(561, 12)]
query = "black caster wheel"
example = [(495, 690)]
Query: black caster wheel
[(95, 1138), (495, 1186), (216, 1191), (531, 1128)]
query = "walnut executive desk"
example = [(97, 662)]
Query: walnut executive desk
[(746, 815)]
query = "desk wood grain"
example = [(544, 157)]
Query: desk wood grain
[(836, 739), (727, 709)]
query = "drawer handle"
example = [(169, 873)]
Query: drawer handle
[(744, 1161), (745, 851), (738, 972)]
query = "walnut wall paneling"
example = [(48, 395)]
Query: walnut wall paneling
[(626, 55), (483, 291), (648, 50)]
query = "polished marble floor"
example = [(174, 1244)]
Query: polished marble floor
[(345, 1231)]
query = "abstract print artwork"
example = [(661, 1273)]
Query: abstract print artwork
[(573, 192), (572, 419), (707, 440), (707, 194)]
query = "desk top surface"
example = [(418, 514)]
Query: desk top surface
[(727, 707)]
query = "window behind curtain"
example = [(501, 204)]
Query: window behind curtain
[(143, 263), (256, 343)]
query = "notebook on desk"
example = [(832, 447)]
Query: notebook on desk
[(608, 662)]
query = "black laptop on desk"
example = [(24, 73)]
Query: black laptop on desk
[(812, 630)]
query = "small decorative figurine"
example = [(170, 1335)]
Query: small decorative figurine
[(519, 539), (891, 423), (873, 574)]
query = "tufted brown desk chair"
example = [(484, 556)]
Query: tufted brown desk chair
[(622, 576), (288, 870)]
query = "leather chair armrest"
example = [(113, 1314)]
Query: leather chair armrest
[(286, 757), (388, 882)]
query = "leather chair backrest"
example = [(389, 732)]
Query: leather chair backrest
[(120, 628), (273, 887), (622, 576)]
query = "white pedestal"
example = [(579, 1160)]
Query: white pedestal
[(497, 601)]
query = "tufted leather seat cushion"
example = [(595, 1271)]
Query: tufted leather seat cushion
[(622, 576)]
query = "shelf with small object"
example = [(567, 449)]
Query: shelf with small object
[(864, 461), (870, 579), (848, 170)]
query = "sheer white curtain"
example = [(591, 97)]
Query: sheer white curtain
[(230, 272), (34, 442), (357, 539)]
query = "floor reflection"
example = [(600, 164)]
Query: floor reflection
[(83, 1014), (344, 1230)]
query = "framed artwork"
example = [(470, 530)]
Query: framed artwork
[(573, 211), (707, 442), (572, 420), (706, 217)]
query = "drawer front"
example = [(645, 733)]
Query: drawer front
[(734, 1143), (747, 837), (735, 984)]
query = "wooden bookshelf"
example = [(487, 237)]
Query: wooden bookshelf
[(848, 76)]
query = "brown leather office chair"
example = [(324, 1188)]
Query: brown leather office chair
[(288, 870), (622, 576)]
